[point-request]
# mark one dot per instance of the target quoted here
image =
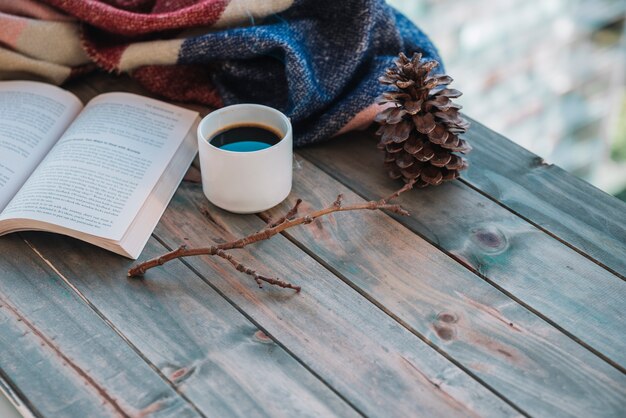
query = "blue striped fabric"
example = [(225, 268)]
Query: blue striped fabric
[(318, 61)]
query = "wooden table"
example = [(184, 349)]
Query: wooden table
[(502, 294)]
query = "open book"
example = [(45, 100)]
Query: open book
[(103, 173)]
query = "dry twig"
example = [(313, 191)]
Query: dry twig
[(272, 228), (292, 212)]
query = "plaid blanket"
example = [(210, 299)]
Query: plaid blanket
[(317, 61)]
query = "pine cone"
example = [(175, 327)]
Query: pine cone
[(421, 131)]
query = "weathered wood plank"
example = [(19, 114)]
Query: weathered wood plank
[(61, 356), (528, 361), (68, 394), (101, 83), (292, 392), (13, 405), (564, 287), (571, 209), (564, 206), (220, 360), (377, 365)]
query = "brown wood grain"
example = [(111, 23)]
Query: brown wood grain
[(209, 351), (571, 291), (377, 365), (525, 359), (59, 355)]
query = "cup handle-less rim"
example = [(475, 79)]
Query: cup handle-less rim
[(234, 108)]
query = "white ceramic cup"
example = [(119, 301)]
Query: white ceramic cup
[(246, 182)]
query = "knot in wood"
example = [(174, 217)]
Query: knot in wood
[(444, 332), (262, 337), (538, 162), (447, 317), (177, 376), (489, 239)]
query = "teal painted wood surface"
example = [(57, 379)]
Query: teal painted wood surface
[(515, 352), (502, 295), (211, 353), (61, 358), (567, 207), (566, 288), (379, 366), (11, 404)]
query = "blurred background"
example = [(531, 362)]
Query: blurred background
[(548, 74)]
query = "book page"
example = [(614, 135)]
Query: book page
[(32, 118), (105, 165)]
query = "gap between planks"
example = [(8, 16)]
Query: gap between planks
[(129, 85), (457, 260), (16, 398), (543, 229), (152, 366), (79, 371), (490, 146), (113, 327), (259, 326), (243, 312), (476, 272), (396, 318), (232, 303), (105, 83), (294, 250)]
